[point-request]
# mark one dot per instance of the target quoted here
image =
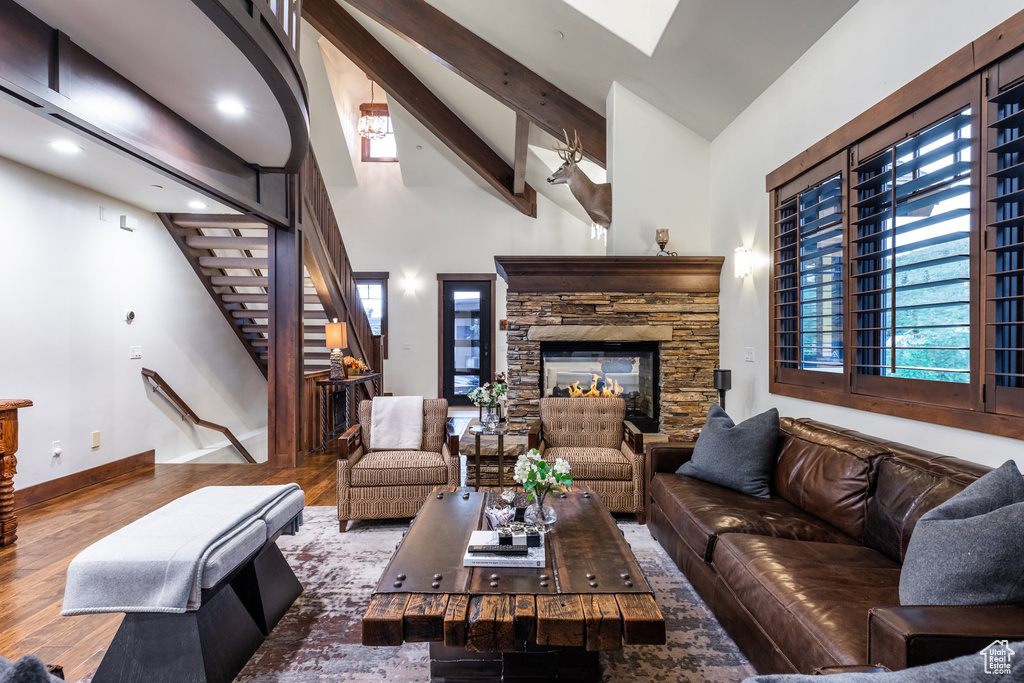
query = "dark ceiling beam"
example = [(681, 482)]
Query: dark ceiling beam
[(522, 148), (491, 70), (43, 70), (356, 43)]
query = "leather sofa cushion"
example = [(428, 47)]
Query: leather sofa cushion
[(400, 468), (908, 484), (592, 463), (813, 598), (701, 512), (826, 471)]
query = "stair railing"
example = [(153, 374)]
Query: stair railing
[(326, 224), (160, 385)]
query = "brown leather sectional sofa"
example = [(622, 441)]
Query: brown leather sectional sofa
[(808, 580)]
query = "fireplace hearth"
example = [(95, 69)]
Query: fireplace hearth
[(584, 369)]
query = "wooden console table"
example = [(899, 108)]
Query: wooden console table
[(8, 466), (329, 388)]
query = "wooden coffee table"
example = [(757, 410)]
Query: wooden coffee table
[(496, 623)]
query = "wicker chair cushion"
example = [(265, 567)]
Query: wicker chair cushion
[(398, 468), (583, 422), (592, 463), (435, 415)]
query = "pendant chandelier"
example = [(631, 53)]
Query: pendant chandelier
[(371, 126)]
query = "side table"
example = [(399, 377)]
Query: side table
[(499, 430), (8, 466), (329, 387)]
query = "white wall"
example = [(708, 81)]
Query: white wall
[(660, 175), (867, 55), (67, 279)]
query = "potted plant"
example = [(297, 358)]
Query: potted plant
[(540, 478), (355, 367)]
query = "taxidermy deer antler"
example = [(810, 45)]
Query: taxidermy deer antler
[(595, 199)]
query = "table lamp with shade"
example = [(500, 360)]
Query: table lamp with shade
[(337, 339)]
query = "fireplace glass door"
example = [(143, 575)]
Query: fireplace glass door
[(589, 369)]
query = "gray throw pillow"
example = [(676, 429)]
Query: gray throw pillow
[(736, 456), (966, 669), (967, 551)]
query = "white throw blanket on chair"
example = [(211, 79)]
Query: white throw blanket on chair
[(396, 423)]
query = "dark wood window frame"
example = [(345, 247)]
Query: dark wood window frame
[(954, 84), (376, 109), (381, 278), (441, 279)]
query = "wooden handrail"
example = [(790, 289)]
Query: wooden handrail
[(159, 384), (326, 225)]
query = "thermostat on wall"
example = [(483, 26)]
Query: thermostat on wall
[(129, 222)]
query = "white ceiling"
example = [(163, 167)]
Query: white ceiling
[(713, 59), (27, 137), (170, 49)]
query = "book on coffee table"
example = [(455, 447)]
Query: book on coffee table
[(534, 557)]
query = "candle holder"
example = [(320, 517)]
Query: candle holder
[(661, 237)]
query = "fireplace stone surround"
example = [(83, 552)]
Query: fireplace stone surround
[(670, 300)]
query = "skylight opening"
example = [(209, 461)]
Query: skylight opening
[(640, 23)]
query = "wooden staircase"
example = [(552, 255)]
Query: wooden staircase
[(229, 254)]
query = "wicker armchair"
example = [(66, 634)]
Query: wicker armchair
[(605, 451), (390, 484)]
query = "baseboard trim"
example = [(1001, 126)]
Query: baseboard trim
[(79, 480)]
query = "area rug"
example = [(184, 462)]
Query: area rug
[(318, 640)]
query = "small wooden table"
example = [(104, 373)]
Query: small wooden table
[(328, 389), (591, 597), (9, 466)]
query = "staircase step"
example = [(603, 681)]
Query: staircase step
[(233, 262), (216, 220), (265, 329), (239, 281), (245, 298), (250, 313), (231, 298), (204, 242), (314, 315), (259, 343)]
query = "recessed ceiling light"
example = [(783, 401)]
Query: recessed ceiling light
[(230, 106), (65, 147), (196, 204), (159, 187)]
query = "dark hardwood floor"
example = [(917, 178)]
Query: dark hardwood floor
[(50, 534)]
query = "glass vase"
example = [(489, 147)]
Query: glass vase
[(542, 515), (489, 417)]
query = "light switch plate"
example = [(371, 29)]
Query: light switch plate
[(748, 354), (95, 439), (134, 352), (407, 346)]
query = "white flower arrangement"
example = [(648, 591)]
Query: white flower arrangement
[(490, 394), (539, 477)]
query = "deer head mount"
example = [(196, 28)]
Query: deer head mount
[(595, 199)]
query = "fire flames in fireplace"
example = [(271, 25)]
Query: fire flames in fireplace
[(599, 388)]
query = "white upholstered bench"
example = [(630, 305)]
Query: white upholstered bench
[(201, 580)]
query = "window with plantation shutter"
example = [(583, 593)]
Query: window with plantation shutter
[(808, 282), (898, 251), (911, 265), (1004, 239)]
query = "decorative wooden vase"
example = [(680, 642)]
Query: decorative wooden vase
[(8, 467)]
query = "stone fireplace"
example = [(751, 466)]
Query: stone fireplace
[(669, 304)]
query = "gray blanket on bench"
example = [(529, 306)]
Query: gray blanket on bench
[(152, 564)]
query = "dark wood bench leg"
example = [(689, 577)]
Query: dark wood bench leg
[(267, 587), (641, 518), (210, 645)]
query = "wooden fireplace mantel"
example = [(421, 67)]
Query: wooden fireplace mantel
[(8, 466), (646, 274)]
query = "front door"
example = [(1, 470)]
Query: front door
[(467, 322)]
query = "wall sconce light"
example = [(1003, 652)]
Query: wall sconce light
[(723, 382), (410, 284), (661, 237), (337, 339), (743, 264)]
